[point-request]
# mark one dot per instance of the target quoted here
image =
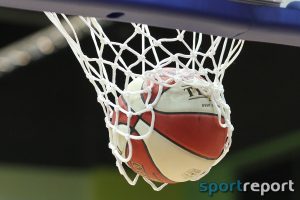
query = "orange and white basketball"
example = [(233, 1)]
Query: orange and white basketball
[(187, 137)]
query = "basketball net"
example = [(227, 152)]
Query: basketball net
[(204, 56)]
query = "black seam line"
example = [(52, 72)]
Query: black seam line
[(132, 129), (184, 113), (149, 155), (201, 156), (135, 124)]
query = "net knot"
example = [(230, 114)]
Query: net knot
[(123, 47), (174, 58), (138, 30), (156, 43), (141, 58), (180, 37), (149, 107), (129, 114), (129, 73), (215, 90), (193, 55), (211, 53)]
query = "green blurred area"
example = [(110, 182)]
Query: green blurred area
[(37, 183)]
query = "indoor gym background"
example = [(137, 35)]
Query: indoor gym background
[(53, 141)]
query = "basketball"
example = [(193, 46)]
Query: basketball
[(187, 137)]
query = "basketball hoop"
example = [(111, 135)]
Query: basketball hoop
[(200, 61)]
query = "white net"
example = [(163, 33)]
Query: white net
[(142, 53)]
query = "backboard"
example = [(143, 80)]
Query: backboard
[(274, 21)]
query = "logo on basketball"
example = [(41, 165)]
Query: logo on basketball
[(194, 93)]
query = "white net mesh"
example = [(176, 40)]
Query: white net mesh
[(140, 53)]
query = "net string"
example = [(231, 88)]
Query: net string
[(187, 73)]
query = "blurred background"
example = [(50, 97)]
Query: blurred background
[(53, 140)]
